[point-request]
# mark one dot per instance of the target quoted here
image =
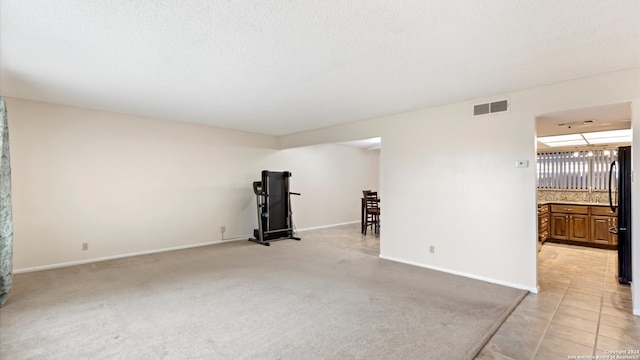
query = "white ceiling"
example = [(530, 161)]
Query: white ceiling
[(368, 144), (283, 66), (599, 118)]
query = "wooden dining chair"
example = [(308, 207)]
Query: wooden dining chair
[(372, 212)]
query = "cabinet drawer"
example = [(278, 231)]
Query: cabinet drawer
[(544, 235), (543, 209), (603, 210), (570, 209), (543, 222)]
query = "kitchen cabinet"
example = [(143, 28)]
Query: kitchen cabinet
[(543, 223), (560, 226), (570, 222), (579, 227), (603, 219), (587, 224)]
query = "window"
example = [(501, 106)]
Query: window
[(579, 170)]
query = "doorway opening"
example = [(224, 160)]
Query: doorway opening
[(358, 236), (577, 253)]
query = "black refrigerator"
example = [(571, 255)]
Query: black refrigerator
[(620, 198)]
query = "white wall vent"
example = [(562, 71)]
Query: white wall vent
[(491, 108)]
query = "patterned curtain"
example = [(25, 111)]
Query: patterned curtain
[(6, 222)]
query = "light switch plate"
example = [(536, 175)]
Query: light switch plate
[(522, 163)]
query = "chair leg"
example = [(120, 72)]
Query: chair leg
[(366, 224), (372, 221)]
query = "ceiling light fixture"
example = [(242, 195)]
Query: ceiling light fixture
[(593, 138), (563, 140)]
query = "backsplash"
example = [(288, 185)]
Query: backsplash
[(577, 196)]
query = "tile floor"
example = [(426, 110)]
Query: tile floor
[(580, 309)]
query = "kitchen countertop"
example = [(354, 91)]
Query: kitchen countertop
[(572, 203)]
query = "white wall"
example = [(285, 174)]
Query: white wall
[(127, 184), (331, 179), (449, 179)]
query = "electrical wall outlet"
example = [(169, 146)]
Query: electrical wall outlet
[(432, 249), (85, 246), (223, 228)]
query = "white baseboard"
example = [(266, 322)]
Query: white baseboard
[(329, 226), (459, 273), (92, 260)]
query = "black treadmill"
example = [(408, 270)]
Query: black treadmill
[(273, 201)]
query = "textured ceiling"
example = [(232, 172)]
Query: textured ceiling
[(284, 66)]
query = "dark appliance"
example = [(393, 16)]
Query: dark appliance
[(621, 168), (273, 201)]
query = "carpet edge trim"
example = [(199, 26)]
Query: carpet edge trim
[(496, 326)]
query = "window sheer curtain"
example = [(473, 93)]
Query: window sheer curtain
[(6, 222)]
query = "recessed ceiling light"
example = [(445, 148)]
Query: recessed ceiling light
[(593, 138), (563, 140), (607, 134), (546, 139), (566, 143), (611, 140)]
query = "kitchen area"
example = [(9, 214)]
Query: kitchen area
[(584, 260), (578, 223), (584, 181)]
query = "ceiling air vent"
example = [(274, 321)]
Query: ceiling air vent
[(491, 108)]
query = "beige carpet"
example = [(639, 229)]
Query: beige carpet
[(293, 300)]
